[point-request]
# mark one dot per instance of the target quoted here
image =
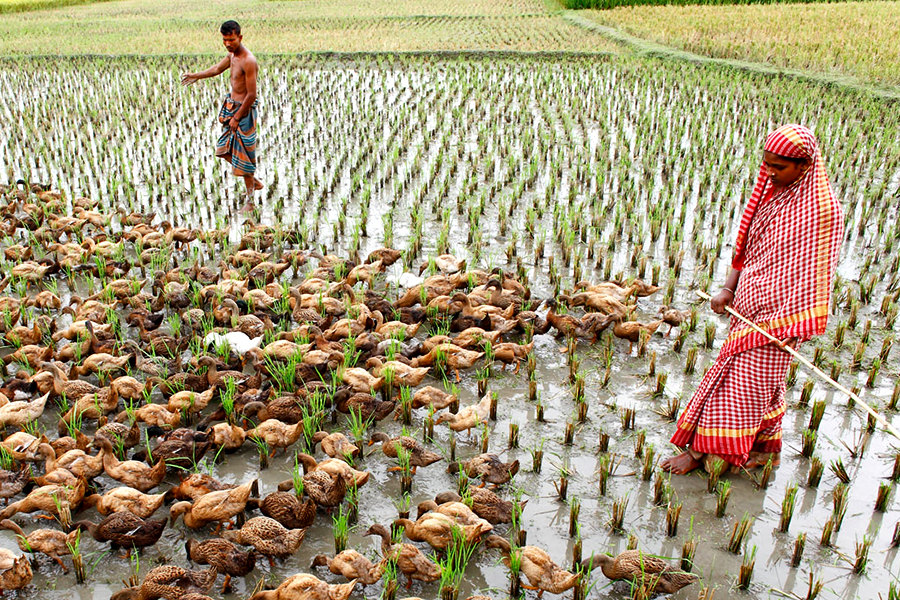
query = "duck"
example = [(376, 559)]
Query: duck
[(487, 467), (239, 342), (90, 406), (364, 272), (606, 288), (638, 568), (124, 530), (306, 587), (132, 473), (458, 511), (289, 409), (15, 571), (437, 529), (672, 317), (189, 401), (467, 417), (170, 582), (445, 263), (13, 482), (197, 485), (227, 436), (124, 499), (365, 406), (119, 435), (77, 462), (218, 378), (276, 434), (402, 374), (20, 412), (63, 386), (454, 357), (336, 445), (352, 565), (361, 381), (542, 573), (631, 330), (268, 536), (226, 558), (598, 303), (333, 466), (418, 455), (29, 355), (510, 353), (51, 542), (484, 503), (23, 446), (214, 507), (475, 337), (48, 498), (409, 559), (326, 489), (434, 397), (286, 507), (565, 325)]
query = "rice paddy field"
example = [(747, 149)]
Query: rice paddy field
[(555, 168)]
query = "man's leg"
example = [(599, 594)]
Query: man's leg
[(250, 185)]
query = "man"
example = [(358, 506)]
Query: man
[(237, 144), (784, 260)]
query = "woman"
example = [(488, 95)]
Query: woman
[(784, 259)]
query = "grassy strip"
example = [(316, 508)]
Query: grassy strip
[(649, 48), (855, 39), (15, 6), (127, 33), (608, 4)]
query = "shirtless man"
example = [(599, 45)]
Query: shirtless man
[(237, 145)]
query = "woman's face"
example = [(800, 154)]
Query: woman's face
[(783, 172)]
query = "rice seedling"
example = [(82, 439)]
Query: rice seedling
[(341, 529), (895, 538), (537, 456), (717, 466), (840, 501), (809, 443), (738, 533), (883, 499), (627, 417), (453, 566), (616, 522), (862, 555), (765, 474), (722, 495), (816, 468), (797, 553), (839, 471), (673, 514), (787, 508), (746, 572), (574, 511)]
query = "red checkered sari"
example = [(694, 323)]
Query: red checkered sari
[(786, 249)]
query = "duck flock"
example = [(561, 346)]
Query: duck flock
[(165, 363)]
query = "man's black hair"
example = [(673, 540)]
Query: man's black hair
[(229, 27)]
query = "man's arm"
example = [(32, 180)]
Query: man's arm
[(189, 78)]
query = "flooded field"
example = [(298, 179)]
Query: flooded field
[(556, 171)]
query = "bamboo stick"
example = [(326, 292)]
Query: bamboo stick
[(890, 429)]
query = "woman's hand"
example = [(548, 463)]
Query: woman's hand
[(721, 300), (790, 342)]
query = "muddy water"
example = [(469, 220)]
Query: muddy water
[(406, 110)]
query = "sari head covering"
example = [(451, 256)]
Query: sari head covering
[(786, 249)]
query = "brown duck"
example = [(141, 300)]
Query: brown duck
[(639, 568), (418, 455), (269, 537), (224, 556), (169, 582), (125, 530)]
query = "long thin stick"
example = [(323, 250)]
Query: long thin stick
[(893, 431)]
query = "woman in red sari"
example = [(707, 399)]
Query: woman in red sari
[(784, 260)]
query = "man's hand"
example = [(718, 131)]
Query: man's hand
[(233, 123), (189, 78), (721, 300)]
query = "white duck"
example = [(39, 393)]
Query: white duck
[(239, 342)]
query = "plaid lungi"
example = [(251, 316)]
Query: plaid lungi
[(238, 147), (738, 406)]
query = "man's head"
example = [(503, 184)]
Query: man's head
[(231, 35)]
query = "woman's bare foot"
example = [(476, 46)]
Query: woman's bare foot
[(257, 184), (682, 464), (760, 459)]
